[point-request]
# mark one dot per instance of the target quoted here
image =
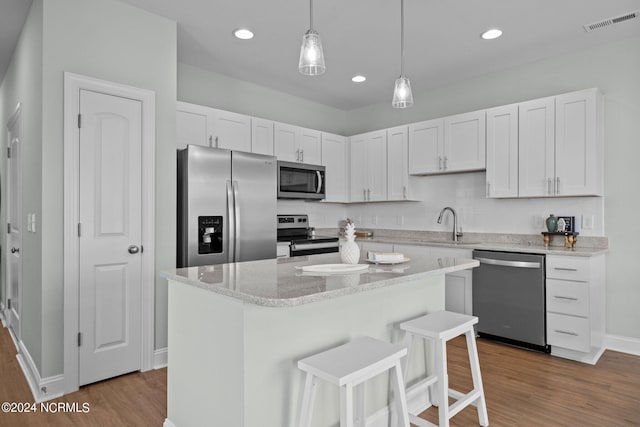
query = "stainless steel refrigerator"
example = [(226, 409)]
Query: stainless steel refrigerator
[(226, 206)]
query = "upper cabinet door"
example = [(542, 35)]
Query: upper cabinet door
[(310, 145), (334, 159), (192, 125), (579, 147), (231, 131), (426, 147), (376, 146), (502, 151), (464, 142), (536, 165), (398, 163), (286, 142), (261, 136), (358, 168)]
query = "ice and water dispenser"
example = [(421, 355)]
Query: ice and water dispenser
[(210, 234)]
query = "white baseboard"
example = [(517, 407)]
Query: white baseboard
[(160, 358), (43, 389), (417, 402), (168, 423), (622, 344)]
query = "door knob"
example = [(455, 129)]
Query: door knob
[(133, 249), (14, 250)]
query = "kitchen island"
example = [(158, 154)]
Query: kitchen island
[(236, 332)]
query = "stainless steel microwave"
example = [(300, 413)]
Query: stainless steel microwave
[(301, 181)]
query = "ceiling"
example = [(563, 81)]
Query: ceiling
[(442, 39), (12, 16)]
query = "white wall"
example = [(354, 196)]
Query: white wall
[(113, 41), (202, 87), (23, 84), (614, 68)]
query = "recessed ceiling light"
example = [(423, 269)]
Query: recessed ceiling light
[(358, 79), (491, 34), (243, 34)]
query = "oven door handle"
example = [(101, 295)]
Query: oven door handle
[(306, 246), (503, 263)]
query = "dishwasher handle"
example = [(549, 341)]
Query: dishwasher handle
[(503, 263)]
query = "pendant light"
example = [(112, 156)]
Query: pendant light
[(311, 56), (402, 97)]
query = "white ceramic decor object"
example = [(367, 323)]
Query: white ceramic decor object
[(350, 251)]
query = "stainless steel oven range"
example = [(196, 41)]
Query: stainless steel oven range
[(295, 229)]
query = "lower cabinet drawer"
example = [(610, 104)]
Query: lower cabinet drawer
[(568, 332), (565, 297)]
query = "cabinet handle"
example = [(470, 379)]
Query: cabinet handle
[(566, 298), (445, 163), (297, 155), (210, 141), (368, 194), (549, 190), (488, 189), (364, 194), (560, 331), (404, 191), (557, 185), (565, 269), (440, 162), (302, 155)]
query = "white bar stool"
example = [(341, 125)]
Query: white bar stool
[(441, 327), (349, 366)]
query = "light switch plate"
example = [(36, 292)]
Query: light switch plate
[(587, 222)]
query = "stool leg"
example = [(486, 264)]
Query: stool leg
[(361, 414), (400, 397), (474, 361), (408, 343), (346, 406), (307, 400), (443, 383)]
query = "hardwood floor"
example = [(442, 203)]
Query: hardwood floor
[(522, 389)]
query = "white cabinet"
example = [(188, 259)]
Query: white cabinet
[(559, 147), (398, 163), (579, 146), (193, 125), (465, 142), (261, 136), (575, 292), (502, 151), (536, 141), (452, 144), (297, 144), (199, 125), (368, 164), (335, 160), (426, 147)]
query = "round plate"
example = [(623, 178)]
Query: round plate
[(388, 262), (333, 268)]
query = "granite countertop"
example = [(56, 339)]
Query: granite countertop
[(528, 243), (281, 282)]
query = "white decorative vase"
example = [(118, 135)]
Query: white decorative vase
[(350, 252)]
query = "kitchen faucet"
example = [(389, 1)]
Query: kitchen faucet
[(456, 234)]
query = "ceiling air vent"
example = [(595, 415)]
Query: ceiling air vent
[(611, 21)]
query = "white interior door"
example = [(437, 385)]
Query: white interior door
[(110, 236), (14, 219)]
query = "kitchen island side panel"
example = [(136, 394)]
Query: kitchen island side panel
[(205, 361), (276, 338)]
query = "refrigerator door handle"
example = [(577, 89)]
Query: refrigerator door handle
[(319, 182), (236, 222), (231, 232)]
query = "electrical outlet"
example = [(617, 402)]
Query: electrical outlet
[(374, 220), (538, 221), (587, 222)]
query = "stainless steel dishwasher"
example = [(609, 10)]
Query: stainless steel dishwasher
[(509, 298)]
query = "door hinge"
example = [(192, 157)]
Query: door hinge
[(8, 228), (79, 121), (79, 229), (8, 152), (79, 339), (141, 249), (9, 303)]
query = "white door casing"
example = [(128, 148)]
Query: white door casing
[(110, 218), (110, 222), (14, 220)]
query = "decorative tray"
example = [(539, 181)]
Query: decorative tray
[(333, 268), (388, 262)]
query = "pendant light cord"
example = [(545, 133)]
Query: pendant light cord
[(401, 37), (311, 15)]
